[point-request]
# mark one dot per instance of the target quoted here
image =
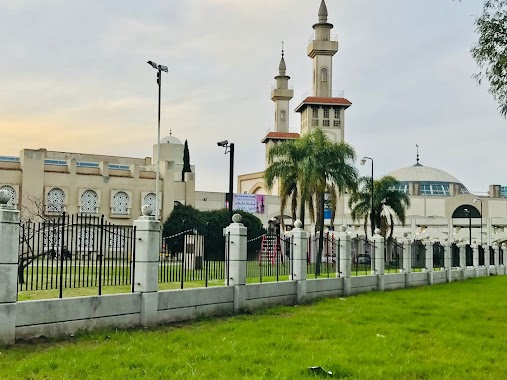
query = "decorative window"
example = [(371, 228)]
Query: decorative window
[(89, 201), (402, 187), (149, 199), (56, 200), (52, 237), (121, 203), (85, 239), (12, 193), (315, 113), (315, 122), (464, 190), (282, 115), (117, 241), (326, 113), (336, 113), (325, 123), (434, 189), (323, 74), (336, 123)]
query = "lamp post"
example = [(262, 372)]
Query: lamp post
[(467, 212), (159, 69), (475, 201), (363, 161), (229, 148)]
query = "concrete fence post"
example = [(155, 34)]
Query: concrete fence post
[(462, 259), (345, 260), (475, 252), (9, 250), (407, 259), (146, 264), (429, 261), (299, 257), (379, 258), (447, 260), (236, 272), (486, 259), (496, 262)]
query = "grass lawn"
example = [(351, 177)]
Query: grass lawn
[(450, 331)]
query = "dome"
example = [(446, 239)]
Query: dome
[(420, 173), (171, 140)]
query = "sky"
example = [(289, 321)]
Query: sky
[(73, 77)]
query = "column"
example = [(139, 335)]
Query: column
[(462, 259), (475, 261), (146, 264), (496, 263), (486, 259), (378, 258), (9, 243), (345, 260), (429, 261), (236, 268), (406, 259), (447, 259), (300, 256)]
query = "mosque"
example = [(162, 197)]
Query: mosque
[(47, 183)]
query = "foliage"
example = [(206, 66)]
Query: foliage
[(450, 331), (490, 51), (388, 203), (186, 161)]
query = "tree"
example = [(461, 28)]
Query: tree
[(388, 203), (307, 169), (186, 161), (490, 51)]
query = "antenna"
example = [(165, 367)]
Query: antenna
[(282, 49), (417, 147)]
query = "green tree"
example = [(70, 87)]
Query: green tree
[(186, 161), (307, 169), (388, 203), (490, 51)]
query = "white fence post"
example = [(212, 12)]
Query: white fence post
[(236, 268), (146, 264), (486, 259), (9, 250), (462, 259), (300, 257), (447, 259), (345, 260), (429, 261), (407, 259), (378, 258), (475, 252)]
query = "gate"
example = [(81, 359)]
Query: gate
[(75, 251), (418, 255)]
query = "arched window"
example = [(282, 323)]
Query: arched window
[(121, 203), (56, 200), (282, 115), (12, 193), (323, 74), (89, 200), (149, 199)]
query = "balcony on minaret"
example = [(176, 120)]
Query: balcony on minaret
[(319, 44), (282, 92)]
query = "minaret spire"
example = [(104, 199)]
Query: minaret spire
[(323, 12), (282, 67), (417, 159)]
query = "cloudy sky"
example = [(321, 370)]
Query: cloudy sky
[(73, 77)]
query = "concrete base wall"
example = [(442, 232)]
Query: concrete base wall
[(419, 278), (329, 287), (439, 277), (270, 294), (394, 281), (363, 284)]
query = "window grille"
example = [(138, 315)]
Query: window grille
[(315, 122), (12, 193), (56, 200), (323, 75), (315, 113), (89, 200), (149, 200), (336, 113), (336, 123), (121, 203), (325, 123), (326, 113)]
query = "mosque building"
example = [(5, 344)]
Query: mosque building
[(47, 183)]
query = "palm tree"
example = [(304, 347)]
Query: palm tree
[(307, 169), (388, 203)]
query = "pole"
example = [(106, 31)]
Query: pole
[(470, 227), (157, 179), (372, 210), (231, 176), (481, 223)]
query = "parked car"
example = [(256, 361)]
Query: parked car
[(364, 259)]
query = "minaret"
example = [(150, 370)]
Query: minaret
[(281, 95), (321, 109)]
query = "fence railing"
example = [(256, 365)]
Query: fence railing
[(327, 263), (418, 252), (438, 256), (455, 256), (469, 256), (393, 256), (270, 257), (75, 251), (361, 254)]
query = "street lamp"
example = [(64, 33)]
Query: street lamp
[(229, 148), (159, 69), (363, 161), (475, 201), (467, 212)]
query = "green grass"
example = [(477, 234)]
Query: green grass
[(450, 331)]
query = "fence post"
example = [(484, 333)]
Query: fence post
[(447, 260), (475, 252), (462, 259), (378, 258), (300, 257), (146, 264), (407, 259), (429, 261), (486, 259), (9, 249), (237, 261), (496, 263), (345, 260)]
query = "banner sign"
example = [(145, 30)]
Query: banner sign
[(251, 203)]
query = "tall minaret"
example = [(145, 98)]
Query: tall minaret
[(321, 109), (281, 95), (321, 50)]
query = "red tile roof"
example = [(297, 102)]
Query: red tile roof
[(318, 100), (280, 136)]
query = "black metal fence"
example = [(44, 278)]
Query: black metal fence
[(75, 251), (393, 256), (418, 255), (500, 256), (193, 255), (469, 256), (482, 260), (455, 256), (491, 256), (270, 257), (362, 251), (438, 255)]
